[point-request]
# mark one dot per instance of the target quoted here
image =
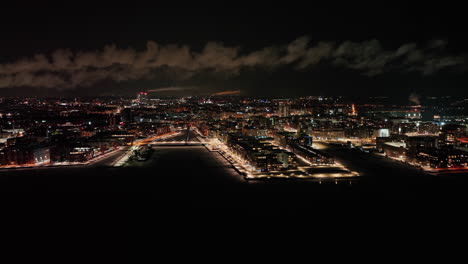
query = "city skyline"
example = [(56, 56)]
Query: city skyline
[(124, 124), (124, 118)]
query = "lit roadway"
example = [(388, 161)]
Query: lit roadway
[(110, 159), (178, 138), (105, 160)]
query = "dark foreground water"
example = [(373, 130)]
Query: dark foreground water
[(191, 176), (115, 209)]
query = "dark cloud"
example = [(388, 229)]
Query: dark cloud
[(437, 44), (64, 69)]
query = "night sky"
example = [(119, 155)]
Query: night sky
[(277, 50)]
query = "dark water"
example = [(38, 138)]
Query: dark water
[(115, 209), (194, 177)]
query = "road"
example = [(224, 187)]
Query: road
[(110, 159), (106, 160), (179, 138)]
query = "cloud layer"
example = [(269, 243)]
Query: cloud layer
[(64, 69)]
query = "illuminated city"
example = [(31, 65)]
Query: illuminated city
[(262, 138), (128, 121)]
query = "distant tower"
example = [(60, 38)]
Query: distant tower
[(284, 109), (142, 97), (353, 110)]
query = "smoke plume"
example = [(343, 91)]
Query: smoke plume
[(415, 98), (169, 89), (64, 69), (236, 92)]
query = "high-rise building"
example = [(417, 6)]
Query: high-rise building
[(451, 133), (142, 97), (284, 109)]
